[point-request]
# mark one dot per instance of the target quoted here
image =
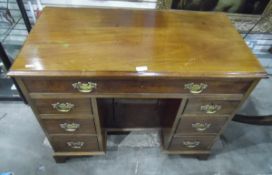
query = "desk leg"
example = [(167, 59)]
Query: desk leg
[(203, 156), (99, 129), (60, 159)]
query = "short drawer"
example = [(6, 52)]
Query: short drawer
[(63, 106), (69, 126), (86, 86), (74, 143), (187, 143), (202, 107), (199, 125)]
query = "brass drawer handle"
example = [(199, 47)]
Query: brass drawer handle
[(84, 87), (210, 108), (70, 127), (191, 144), (75, 145), (196, 88), (201, 126), (63, 107)]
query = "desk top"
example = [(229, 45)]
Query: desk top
[(115, 42)]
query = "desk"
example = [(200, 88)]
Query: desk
[(88, 71)]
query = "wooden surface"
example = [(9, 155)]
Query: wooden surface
[(114, 42), (216, 123), (138, 113), (194, 106), (105, 46), (81, 106), (205, 143), (59, 143), (111, 85), (86, 126)]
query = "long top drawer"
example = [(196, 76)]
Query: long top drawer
[(194, 86)]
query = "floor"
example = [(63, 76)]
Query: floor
[(242, 149)]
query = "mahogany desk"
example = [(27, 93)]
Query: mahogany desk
[(88, 71)]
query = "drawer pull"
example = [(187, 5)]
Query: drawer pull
[(84, 87), (191, 144), (75, 145), (201, 126), (70, 127), (210, 108), (63, 107), (196, 88)]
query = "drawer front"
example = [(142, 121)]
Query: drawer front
[(137, 86), (210, 107), (69, 126), (63, 106), (189, 143), (74, 143), (199, 125)]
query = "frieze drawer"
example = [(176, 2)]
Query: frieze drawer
[(93, 86)]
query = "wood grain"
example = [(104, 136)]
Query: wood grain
[(194, 107), (86, 126), (59, 143), (105, 46), (185, 124), (205, 143), (81, 106), (215, 86), (114, 42)]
